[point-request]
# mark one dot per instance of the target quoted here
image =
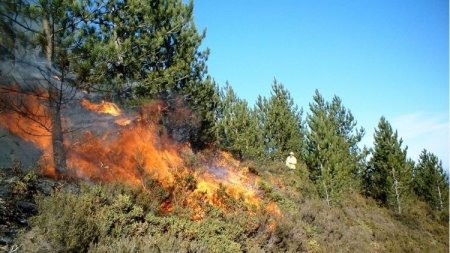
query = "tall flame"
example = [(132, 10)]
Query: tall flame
[(28, 118), (136, 148), (126, 155)]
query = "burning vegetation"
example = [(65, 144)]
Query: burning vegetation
[(144, 178), (142, 190), (114, 147), (103, 107)]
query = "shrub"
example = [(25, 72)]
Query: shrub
[(26, 184), (119, 218)]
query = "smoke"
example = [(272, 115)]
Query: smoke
[(102, 149), (180, 120)]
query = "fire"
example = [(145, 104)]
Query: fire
[(28, 118), (107, 108), (234, 179), (131, 150), (123, 121), (103, 107), (127, 155), (222, 177)]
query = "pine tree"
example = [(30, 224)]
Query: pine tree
[(49, 28), (430, 181), (333, 156), (281, 122), (151, 49), (389, 174), (238, 126), (203, 99), (151, 46)]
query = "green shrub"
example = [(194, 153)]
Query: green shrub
[(119, 218), (25, 185)]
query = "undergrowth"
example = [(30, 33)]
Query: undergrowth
[(119, 218)]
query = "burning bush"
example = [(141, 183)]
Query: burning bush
[(134, 148), (101, 217)]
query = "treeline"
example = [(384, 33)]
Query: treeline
[(136, 51), (327, 140)]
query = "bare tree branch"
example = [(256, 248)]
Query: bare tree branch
[(19, 23)]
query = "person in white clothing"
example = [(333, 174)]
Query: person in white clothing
[(291, 161)]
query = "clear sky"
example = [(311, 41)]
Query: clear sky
[(387, 58)]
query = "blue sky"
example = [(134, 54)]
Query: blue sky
[(386, 58)]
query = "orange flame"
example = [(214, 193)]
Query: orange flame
[(123, 121), (103, 107), (28, 118), (138, 149), (226, 172), (107, 108), (127, 156)]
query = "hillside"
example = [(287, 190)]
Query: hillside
[(133, 185), (82, 216)]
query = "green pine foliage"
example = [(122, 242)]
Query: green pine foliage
[(388, 176), (430, 181), (154, 44), (45, 29), (238, 128), (203, 99), (191, 117), (281, 123), (333, 156)]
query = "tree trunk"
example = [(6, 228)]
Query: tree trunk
[(397, 192), (48, 41), (119, 67), (440, 199), (326, 194), (59, 154), (55, 101)]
